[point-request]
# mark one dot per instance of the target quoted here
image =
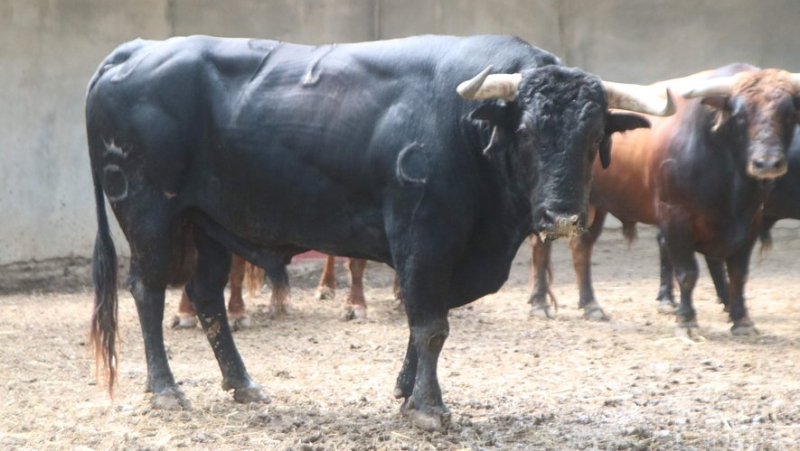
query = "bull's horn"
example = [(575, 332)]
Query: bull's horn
[(638, 98), (495, 86), (721, 86), (796, 83)]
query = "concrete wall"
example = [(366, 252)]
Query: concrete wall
[(50, 48)]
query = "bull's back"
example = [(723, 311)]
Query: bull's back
[(634, 184)]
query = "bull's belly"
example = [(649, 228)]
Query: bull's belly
[(722, 241), (353, 230)]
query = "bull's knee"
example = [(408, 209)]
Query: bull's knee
[(432, 336)]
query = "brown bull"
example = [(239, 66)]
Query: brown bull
[(355, 305), (701, 176)]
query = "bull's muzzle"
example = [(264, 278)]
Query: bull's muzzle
[(767, 165), (553, 226)]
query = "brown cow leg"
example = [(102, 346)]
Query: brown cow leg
[(327, 282), (542, 276), (237, 315), (582, 247), (716, 268), (665, 297), (187, 316), (356, 305), (738, 265)]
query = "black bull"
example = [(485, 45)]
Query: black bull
[(267, 149)]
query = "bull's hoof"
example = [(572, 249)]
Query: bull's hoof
[(744, 327), (350, 312), (593, 312), (251, 393), (279, 311), (244, 395), (324, 294), (542, 311), (170, 399), (238, 323), (432, 419), (743, 331), (666, 307), (183, 322), (688, 330)]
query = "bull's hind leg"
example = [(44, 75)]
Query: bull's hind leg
[(541, 274), (148, 292), (665, 297), (206, 289), (679, 241), (716, 268), (582, 247), (356, 304)]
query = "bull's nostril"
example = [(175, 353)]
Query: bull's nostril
[(759, 163), (778, 163)]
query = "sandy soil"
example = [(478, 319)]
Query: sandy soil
[(510, 381)]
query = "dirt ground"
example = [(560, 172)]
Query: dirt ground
[(510, 381)]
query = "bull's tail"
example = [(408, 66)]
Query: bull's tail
[(550, 294), (630, 232), (253, 278), (765, 236), (103, 334)]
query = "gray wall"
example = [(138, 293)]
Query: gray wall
[(50, 48)]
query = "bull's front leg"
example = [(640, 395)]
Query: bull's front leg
[(424, 283), (542, 276), (582, 247), (738, 265)]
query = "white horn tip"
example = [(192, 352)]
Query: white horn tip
[(469, 88), (669, 108)]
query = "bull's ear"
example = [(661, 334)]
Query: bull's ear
[(489, 112), (605, 151), (720, 104), (622, 122), (500, 118), (615, 123)]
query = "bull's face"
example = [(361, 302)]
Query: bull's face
[(756, 113), (555, 121)]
